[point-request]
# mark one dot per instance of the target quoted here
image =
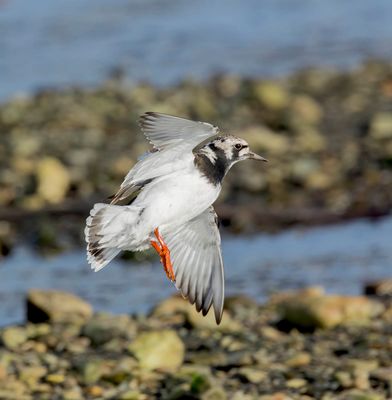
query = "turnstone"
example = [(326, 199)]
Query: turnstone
[(166, 202)]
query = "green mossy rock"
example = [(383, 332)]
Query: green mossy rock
[(14, 336), (162, 350)]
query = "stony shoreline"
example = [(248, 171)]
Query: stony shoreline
[(327, 134), (301, 345)]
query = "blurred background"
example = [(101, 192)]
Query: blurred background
[(306, 238), (307, 83)]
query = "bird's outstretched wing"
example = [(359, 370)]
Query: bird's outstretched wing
[(197, 262), (164, 130), (174, 139)]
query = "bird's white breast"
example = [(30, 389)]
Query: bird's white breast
[(173, 200)]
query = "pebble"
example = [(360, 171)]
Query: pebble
[(55, 378), (53, 180), (299, 360), (13, 337), (380, 288), (381, 126), (271, 95), (329, 310), (296, 383), (95, 391), (158, 350), (56, 306)]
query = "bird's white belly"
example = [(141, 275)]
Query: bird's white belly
[(175, 200)]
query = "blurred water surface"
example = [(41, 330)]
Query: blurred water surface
[(55, 43), (340, 258)]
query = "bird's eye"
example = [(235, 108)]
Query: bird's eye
[(238, 146)]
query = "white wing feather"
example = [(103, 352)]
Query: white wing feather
[(197, 262), (165, 131), (174, 139)]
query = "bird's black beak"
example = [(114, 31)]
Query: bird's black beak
[(254, 156)]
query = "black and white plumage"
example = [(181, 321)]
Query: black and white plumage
[(172, 190)]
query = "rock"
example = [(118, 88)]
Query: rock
[(55, 379), (251, 181), (380, 288), (252, 375), (198, 321), (230, 343), (308, 292), (3, 372), (158, 350), (239, 304), (344, 378), (170, 306), (356, 394), (122, 165), (216, 393), (37, 330), (355, 364), (299, 360), (202, 103), (13, 337), (328, 311), (210, 358), (95, 391), (74, 393), (302, 168), (359, 371), (381, 126), (305, 110), (103, 327), (53, 180), (51, 361), (270, 333), (262, 139), (241, 395), (228, 85), (271, 95), (122, 370), (178, 305), (275, 396), (309, 140), (92, 370), (25, 143), (319, 180), (296, 383), (56, 306), (31, 375), (131, 395), (383, 374), (77, 345)]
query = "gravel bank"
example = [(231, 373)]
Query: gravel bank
[(327, 134), (331, 347)]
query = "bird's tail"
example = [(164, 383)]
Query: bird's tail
[(104, 231)]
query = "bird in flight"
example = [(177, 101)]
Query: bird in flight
[(165, 201)]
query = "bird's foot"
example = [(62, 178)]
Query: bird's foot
[(164, 252)]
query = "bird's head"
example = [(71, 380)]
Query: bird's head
[(231, 148), (217, 156)]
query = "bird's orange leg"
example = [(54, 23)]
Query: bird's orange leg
[(164, 252)]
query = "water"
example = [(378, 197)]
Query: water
[(55, 43), (341, 258)]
